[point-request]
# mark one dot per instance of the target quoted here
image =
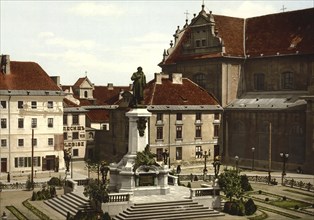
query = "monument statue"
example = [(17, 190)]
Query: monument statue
[(139, 83)]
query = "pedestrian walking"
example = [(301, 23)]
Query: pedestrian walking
[(8, 177)]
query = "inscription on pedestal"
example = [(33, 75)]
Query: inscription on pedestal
[(146, 180)]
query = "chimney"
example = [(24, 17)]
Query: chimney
[(5, 64), (158, 78), (56, 80), (176, 78), (110, 86)]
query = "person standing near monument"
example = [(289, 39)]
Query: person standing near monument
[(139, 83)]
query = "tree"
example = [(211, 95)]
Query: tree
[(230, 183), (97, 192)]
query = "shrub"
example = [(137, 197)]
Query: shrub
[(195, 178), (259, 191), (266, 199), (234, 209), (189, 185), (241, 208), (246, 186), (54, 181), (296, 207), (227, 207), (250, 207), (284, 198)]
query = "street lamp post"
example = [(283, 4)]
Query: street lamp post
[(284, 157), (216, 165), (237, 162), (205, 161), (253, 149)]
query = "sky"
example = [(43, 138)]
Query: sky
[(107, 40)]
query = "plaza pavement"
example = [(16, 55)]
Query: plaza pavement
[(16, 197)]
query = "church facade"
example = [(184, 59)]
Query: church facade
[(261, 70)]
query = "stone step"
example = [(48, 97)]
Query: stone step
[(172, 210), (70, 202)]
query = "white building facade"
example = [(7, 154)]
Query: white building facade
[(31, 115)]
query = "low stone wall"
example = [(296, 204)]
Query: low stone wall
[(208, 196)]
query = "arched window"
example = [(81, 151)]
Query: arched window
[(287, 80), (200, 80), (259, 81)]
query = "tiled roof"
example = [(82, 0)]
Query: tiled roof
[(275, 34), (168, 93), (108, 96), (68, 103), (284, 33), (98, 115), (26, 76)]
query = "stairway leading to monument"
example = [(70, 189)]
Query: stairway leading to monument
[(70, 202), (172, 210)]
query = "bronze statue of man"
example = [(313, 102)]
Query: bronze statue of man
[(139, 83)]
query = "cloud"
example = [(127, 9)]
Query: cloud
[(91, 9), (50, 39), (249, 9)]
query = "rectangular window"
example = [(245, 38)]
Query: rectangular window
[(198, 152), (50, 104), (179, 116), (35, 142), (198, 131), (65, 119), (179, 132), (198, 43), (75, 135), (50, 122), (50, 141), (178, 153), (198, 116), (20, 142), (159, 152), (203, 43), (65, 136), (34, 104), (3, 123), (3, 104), (159, 133), (75, 119), (36, 161), (75, 152), (216, 116), (216, 130), (287, 80), (3, 142), (21, 161), (20, 104), (34, 122), (159, 116), (20, 123)]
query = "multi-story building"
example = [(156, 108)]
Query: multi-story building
[(261, 70), (87, 105), (31, 115)]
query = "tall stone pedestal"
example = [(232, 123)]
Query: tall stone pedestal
[(144, 180)]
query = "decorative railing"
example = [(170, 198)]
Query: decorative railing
[(299, 184), (199, 192), (82, 182), (12, 186), (119, 197)]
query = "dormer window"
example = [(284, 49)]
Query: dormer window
[(85, 94)]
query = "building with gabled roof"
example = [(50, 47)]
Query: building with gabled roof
[(31, 117), (261, 71)]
